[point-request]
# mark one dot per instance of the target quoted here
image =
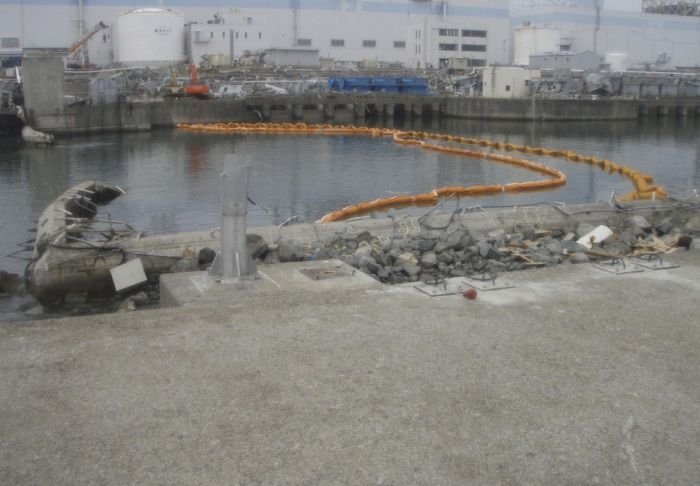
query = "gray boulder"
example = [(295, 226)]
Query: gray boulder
[(290, 250), (428, 260), (257, 246)]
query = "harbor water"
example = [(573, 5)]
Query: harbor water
[(171, 177)]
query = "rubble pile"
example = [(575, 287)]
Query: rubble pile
[(426, 254), (458, 251)]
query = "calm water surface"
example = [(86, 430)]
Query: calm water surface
[(171, 177)]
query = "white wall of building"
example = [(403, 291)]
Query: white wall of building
[(507, 82), (346, 30), (634, 6), (621, 27), (644, 37), (532, 40)]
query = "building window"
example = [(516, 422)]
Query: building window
[(337, 42), (507, 87), (236, 35), (245, 35), (211, 35), (477, 62), (449, 32), (303, 42), (400, 44), (9, 42), (369, 43), (448, 47), (473, 48), (259, 35), (473, 33), (223, 35)]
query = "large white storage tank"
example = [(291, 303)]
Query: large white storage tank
[(150, 36), (530, 40)]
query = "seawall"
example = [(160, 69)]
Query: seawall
[(347, 108)]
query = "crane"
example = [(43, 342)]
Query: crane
[(75, 47)]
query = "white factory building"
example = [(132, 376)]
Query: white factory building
[(415, 33), (609, 28)]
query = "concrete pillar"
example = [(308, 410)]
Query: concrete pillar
[(298, 111), (43, 84), (682, 110), (389, 110), (643, 110), (662, 110), (329, 109), (417, 110), (360, 107), (266, 111), (233, 261)]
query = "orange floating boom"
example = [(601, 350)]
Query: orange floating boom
[(644, 187)]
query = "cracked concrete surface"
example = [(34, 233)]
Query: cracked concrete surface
[(576, 376)]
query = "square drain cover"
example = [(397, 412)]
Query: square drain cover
[(618, 267), (654, 263), (437, 289), (487, 284), (325, 273)]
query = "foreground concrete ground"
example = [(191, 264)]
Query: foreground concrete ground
[(574, 377)]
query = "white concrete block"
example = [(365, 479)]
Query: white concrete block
[(128, 275), (596, 236)]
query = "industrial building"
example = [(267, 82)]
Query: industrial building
[(414, 33), (666, 40)]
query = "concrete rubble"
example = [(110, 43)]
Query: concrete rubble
[(430, 249), (458, 251)]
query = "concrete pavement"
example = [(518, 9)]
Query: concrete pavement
[(576, 376)]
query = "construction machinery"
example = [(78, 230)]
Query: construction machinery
[(196, 88), (176, 88), (74, 50)]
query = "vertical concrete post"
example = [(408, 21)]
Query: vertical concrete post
[(298, 111), (43, 84), (233, 261), (417, 109), (389, 110)]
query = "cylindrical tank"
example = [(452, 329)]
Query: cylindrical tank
[(618, 61), (530, 40), (150, 36)]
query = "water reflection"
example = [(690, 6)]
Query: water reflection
[(171, 177)]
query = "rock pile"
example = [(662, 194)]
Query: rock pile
[(459, 251), (428, 254)]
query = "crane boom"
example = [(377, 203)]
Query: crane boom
[(86, 37)]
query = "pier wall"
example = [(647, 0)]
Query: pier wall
[(541, 109), (145, 115)]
